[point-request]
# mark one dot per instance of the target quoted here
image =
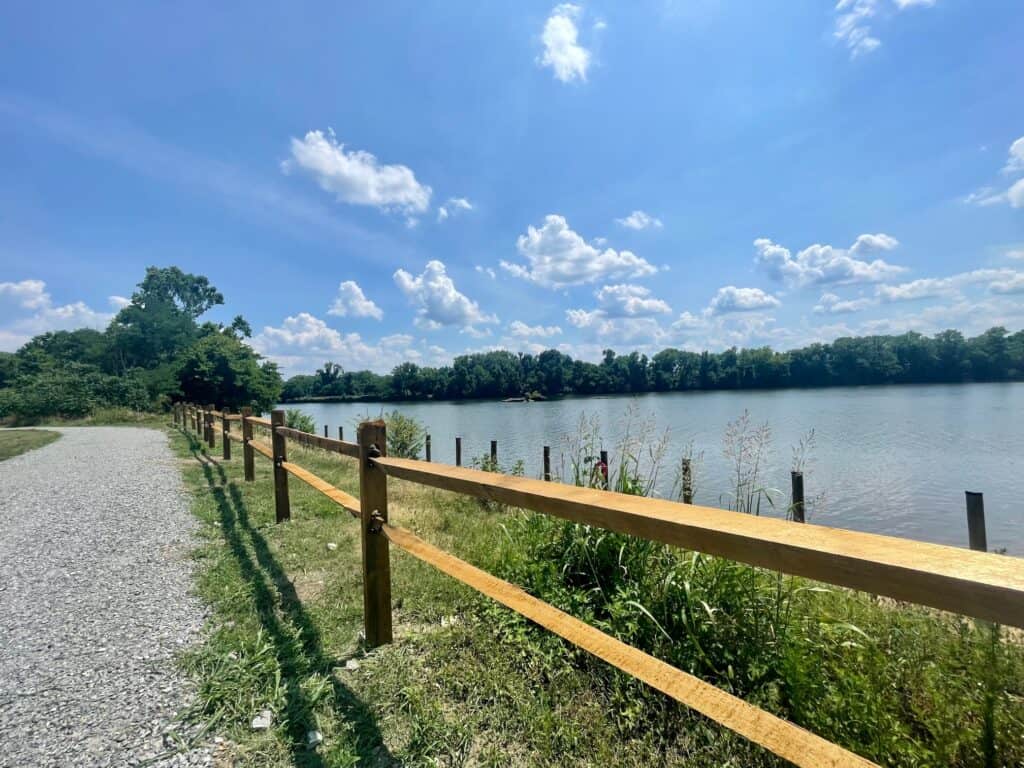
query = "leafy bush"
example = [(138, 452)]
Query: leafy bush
[(299, 420), (405, 435)]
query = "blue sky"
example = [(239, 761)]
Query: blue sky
[(369, 183)]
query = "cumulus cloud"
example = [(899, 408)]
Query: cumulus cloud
[(438, 302), (303, 342), (627, 300), (486, 271), (1015, 161), (732, 299), (118, 302), (562, 52), (640, 220), (831, 304), (1013, 284), (452, 207), (351, 302), (557, 257), (1015, 195), (42, 315), (356, 176), (521, 330), (932, 287), (824, 264)]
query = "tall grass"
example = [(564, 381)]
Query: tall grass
[(902, 685)]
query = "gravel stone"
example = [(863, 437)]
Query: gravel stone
[(95, 603)]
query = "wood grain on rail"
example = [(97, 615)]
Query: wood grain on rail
[(338, 496), (262, 449), (985, 586), (259, 422), (785, 739), (326, 443)]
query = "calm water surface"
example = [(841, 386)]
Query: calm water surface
[(893, 460)]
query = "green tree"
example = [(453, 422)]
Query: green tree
[(221, 369)]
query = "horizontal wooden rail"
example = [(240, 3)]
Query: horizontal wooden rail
[(977, 584), (338, 496), (327, 443), (785, 739), (262, 449), (233, 416), (235, 438), (259, 422)]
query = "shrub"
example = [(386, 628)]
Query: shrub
[(299, 420), (405, 435)]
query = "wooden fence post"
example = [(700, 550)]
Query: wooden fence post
[(796, 480), (210, 437), (282, 508), (225, 430), (458, 451), (248, 454), (427, 447), (547, 462), (494, 455), (687, 482), (373, 502), (194, 413), (976, 521)]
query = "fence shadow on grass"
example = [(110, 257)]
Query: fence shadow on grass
[(273, 590)]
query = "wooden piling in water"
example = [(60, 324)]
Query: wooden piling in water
[(341, 432), (604, 469), (494, 454), (426, 447), (547, 463), (458, 451), (325, 431), (976, 521), (687, 481), (796, 481)]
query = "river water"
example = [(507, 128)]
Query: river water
[(893, 460)]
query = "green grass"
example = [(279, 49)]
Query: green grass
[(467, 682), (17, 441), (113, 417)]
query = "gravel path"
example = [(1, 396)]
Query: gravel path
[(95, 532)]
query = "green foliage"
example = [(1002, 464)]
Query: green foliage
[(299, 420), (221, 369), (909, 358), (17, 441), (153, 352), (405, 435)]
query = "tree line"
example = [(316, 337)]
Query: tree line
[(153, 352), (909, 358)]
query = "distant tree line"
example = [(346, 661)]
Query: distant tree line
[(154, 351), (910, 358)]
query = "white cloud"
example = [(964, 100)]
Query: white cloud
[(356, 176), (732, 299), (831, 304), (853, 19), (44, 316), (688, 321), (521, 330), (351, 302), (486, 271), (1015, 161), (1015, 254), (985, 196), (453, 206), (1015, 195), (28, 294), (1014, 284), (627, 300), (557, 257), (824, 264), (562, 52), (640, 220), (932, 287), (118, 302), (304, 342), (438, 302)]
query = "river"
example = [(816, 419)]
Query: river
[(893, 460)]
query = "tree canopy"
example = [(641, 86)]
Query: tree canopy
[(153, 352), (909, 358)]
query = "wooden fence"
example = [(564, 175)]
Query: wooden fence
[(970, 582)]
